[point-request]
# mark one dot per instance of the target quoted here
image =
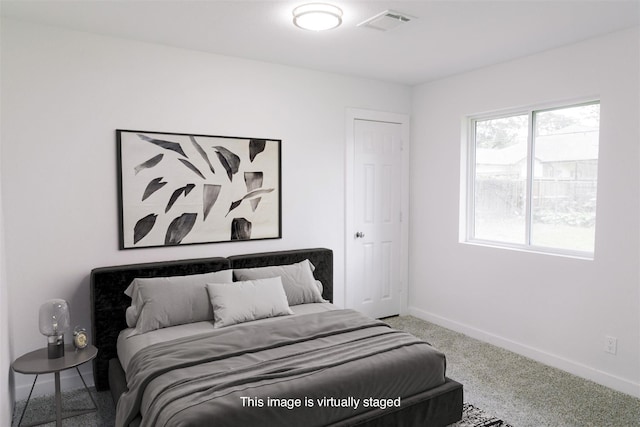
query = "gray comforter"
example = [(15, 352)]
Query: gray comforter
[(311, 370)]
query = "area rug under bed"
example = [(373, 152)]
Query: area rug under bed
[(476, 417)]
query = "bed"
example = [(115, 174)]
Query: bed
[(288, 363)]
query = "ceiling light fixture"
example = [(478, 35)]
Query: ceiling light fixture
[(317, 16)]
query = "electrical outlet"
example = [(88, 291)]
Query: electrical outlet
[(610, 344)]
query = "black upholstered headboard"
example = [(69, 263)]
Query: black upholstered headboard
[(109, 303)]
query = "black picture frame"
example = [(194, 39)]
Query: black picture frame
[(181, 189)]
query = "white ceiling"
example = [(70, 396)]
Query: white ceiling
[(448, 37)]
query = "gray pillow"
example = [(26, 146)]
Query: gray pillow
[(160, 302), (297, 280), (245, 301)]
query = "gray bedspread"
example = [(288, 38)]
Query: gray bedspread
[(311, 370)]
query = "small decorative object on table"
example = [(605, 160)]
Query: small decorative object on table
[(80, 339), (54, 322)]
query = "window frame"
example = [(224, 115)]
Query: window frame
[(468, 190)]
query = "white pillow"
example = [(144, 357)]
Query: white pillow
[(320, 288), (245, 301), (132, 314), (159, 302), (297, 279)]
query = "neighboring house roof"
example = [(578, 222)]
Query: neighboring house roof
[(570, 146)]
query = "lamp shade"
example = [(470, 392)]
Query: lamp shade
[(54, 317)]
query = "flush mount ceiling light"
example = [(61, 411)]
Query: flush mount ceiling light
[(317, 16)]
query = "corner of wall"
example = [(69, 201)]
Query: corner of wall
[(6, 375), (6, 383)]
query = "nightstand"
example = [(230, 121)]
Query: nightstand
[(37, 362)]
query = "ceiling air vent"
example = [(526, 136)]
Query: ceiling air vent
[(387, 20)]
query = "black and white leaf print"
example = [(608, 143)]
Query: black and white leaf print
[(229, 160), (177, 193), (256, 146), (179, 228), (143, 227), (210, 194), (188, 164), (172, 188), (153, 186), (167, 145), (149, 163), (253, 180), (249, 196), (202, 153), (240, 229)]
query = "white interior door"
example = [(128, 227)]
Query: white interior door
[(375, 244)]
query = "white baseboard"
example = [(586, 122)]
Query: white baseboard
[(45, 386), (575, 368)]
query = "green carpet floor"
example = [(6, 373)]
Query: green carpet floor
[(520, 391)]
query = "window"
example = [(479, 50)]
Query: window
[(533, 178)]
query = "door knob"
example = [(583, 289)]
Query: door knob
[(359, 235)]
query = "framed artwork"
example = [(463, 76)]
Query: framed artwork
[(179, 189)]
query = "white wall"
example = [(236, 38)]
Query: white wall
[(63, 95), (554, 309)]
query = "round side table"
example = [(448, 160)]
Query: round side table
[(37, 362)]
